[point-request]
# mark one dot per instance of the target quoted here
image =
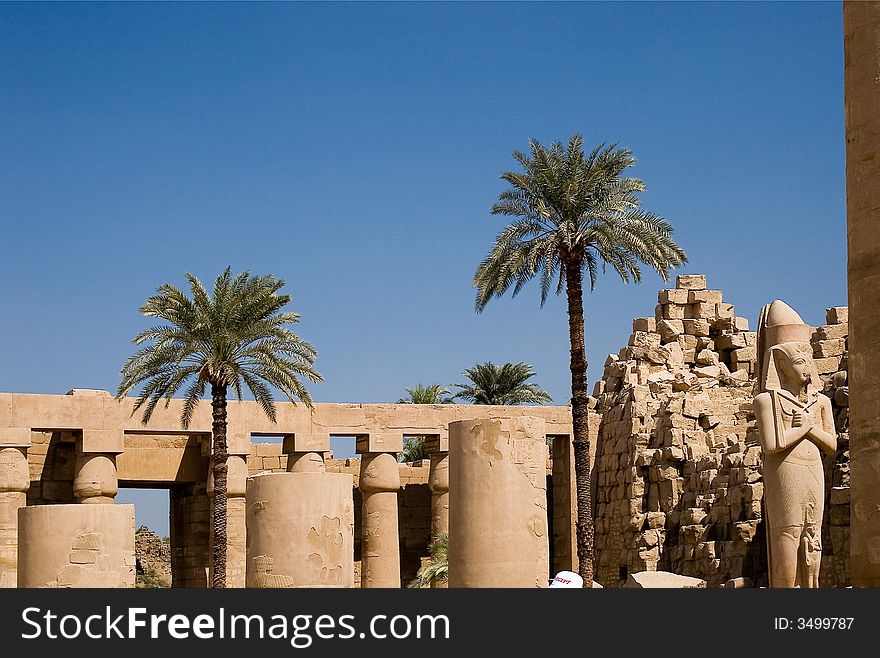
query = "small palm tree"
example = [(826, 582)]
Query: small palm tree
[(414, 446), (504, 384), (235, 337), (574, 214), (437, 568), (433, 394)]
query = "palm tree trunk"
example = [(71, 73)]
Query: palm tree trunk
[(219, 457), (580, 419)]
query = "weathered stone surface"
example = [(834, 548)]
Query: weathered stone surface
[(662, 579), (691, 281)]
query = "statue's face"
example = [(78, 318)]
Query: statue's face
[(797, 367)]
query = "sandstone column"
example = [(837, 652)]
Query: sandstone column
[(379, 482), (565, 503), (305, 452), (300, 530), (14, 483), (861, 25), (438, 481), (498, 503), (96, 480), (76, 546)]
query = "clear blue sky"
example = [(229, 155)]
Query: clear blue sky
[(354, 151)]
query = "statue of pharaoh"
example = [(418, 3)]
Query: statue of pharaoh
[(795, 424)]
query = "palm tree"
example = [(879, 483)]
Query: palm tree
[(437, 568), (574, 214), (433, 394), (236, 336), (414, 446), (504, 384)]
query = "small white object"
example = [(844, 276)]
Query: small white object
[(567, 579)]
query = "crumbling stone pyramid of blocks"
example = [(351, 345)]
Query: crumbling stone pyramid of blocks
[(678, 465)]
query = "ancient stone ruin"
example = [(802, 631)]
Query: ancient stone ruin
[(678, 477)]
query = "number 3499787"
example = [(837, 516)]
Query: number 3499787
[(813, 623)]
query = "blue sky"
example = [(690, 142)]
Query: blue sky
[(354, 150)]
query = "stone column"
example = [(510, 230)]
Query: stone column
[(76, 546), (498, 503), (565, 505), (305, 452), (379, 483), (300, 530), (861, 40), (14, 483), (96, 481), (438, 482)]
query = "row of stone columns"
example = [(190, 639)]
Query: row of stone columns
[(14, 482), (96, 485)]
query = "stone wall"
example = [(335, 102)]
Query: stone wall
[(832, 356), (152, 557), (51, 460), (679, 463)]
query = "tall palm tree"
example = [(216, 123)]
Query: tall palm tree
[(414, 446), (504, 384), (236, 336), (574, 214)]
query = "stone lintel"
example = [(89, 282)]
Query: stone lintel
[(103, 441), (303, 442), (435, 443), (15, 437), (366, 443)]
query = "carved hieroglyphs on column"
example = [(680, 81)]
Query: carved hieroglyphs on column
[(498, 503), (861, 42), (14, 483), (300, 529), (379, 483), (74, 546), (795, 425)]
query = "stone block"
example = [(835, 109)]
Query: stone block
[(730, 342), (302, 442), (741, 324), (827, 365), (661, 580), (743, 354), (704, 296), (15, 437), (691, 281), (436, 444), (673, 311), (103, 441), (827, 348), (670, 330), (837, 315), (366, 443), (645, 324), (725, 312), (673, 297), (702, 311), (832, 331), (696, 327), (644, 339)]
